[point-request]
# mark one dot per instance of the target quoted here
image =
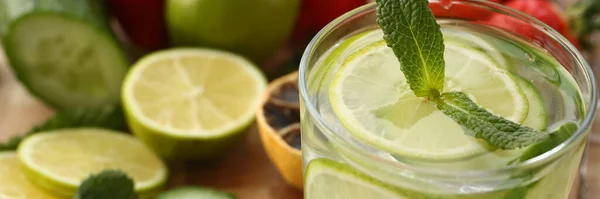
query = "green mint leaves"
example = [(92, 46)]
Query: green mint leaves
[(411, 31), (108, 184), (497, 131)]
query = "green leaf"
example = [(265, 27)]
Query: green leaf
[(496, 131), (557, 137), (411, 30), (109, 184), (109, 117)]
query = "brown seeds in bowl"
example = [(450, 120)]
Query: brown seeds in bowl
[(279, 126)]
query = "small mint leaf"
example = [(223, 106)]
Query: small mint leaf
[(496, 131), (412, 32), (555, 138), (108, 184)]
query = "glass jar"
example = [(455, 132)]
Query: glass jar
[(326, 142)]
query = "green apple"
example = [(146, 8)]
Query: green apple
[(253, 28)]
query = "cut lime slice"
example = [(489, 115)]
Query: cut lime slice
[(371, 98), (344, 49), (326, 179), (536, 116), (60, 160), (192, 103), (14, 184), (474, 40)]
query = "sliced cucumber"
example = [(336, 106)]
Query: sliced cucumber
[(63, 53), (195, 193)]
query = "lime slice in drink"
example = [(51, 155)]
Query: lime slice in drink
[(343, 49), (14, 184), (191, 103), (60, 160), (326, 179), (474, 40), (536, 116), (371, 98)]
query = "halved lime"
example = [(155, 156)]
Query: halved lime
[(191, 103), (371, 98), (14, 184), (60, 160), (327, 179)]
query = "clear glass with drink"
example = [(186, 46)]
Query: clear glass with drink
[(365, 135)]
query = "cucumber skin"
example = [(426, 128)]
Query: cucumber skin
[(89, 12)]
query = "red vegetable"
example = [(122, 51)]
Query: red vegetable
[(142, 21), (316, 14), (542, 10), (454, 9)]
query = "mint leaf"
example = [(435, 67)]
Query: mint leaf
[(496, 131), (412, 32), (108, 184), (555, 138), (109, 116)]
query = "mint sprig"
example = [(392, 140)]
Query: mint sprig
[(498, 131), (412, 32)]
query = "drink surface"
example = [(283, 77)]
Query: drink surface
[(358, 88)]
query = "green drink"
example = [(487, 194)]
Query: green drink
[(365, 134)]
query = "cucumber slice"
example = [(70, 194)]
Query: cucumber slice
[(63, 52), (195, 193)]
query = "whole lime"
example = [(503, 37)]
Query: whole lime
[(253, 28)]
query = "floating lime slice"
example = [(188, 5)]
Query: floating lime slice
[(326, 179), (370, 96)]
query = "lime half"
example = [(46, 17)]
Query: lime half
[(60, 160), (371, 98), (327, 179), (14, 184), (191, 103)]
